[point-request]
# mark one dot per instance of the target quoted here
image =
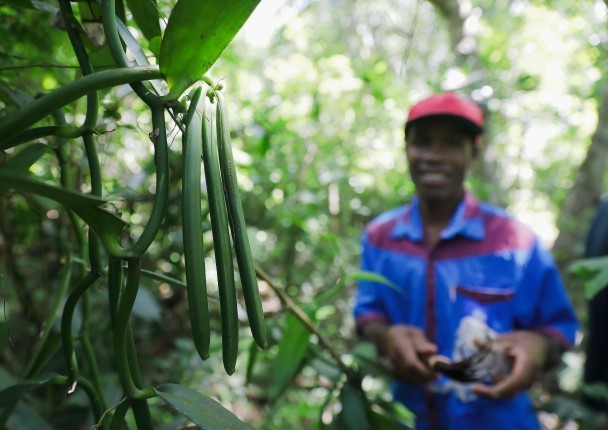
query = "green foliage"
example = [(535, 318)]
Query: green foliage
[(318, 146), (203, 411), (17, 391), (594, 274), (292, 349), (196, 35), (87, 227)]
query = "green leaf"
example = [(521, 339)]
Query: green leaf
[(381, 421), (13, 96), (15, 392), (203, 411), (106, 224), (6, 379), (89, 11), (44, 352), (43, 6), (397, 412), (366, 357), (292, 349), (145, 14), (597, 284), (354, 409), (25, 158), (196, 35), (596, 391), (137, 51), (326, 368), (593, 272), (154, 46), (374, 277), (132, 44), (357, 276), (26, 417)]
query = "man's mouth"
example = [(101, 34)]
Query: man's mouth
[(433, 178)]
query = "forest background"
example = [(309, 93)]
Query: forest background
[(317, 95)]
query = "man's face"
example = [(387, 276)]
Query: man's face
[(439, 153)]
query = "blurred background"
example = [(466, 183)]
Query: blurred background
[(317, 94)]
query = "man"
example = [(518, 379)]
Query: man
[(449, 258)]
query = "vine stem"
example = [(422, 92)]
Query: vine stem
[(159, 138), (31, 113), (301, 315), (124, 366), (118, 54), (60, 131), (66, 324)]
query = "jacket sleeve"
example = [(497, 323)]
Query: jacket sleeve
[(542, 303), (368, 298)]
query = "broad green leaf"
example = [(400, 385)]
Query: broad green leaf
[(137, 51), (203, 411), (358, 276), (292, 349), (396, 411), (19, 4), (25, 417), (44, 352), (154, 46), (354, 409), (89, 11), (6, 379), (597, 284), (196, 35), (586, 266), (17, 391), (106, 224), (102, 58), (13, 96), (370, 276), (380, 421), (593, 272), (24, 159), (132, 44), (145, 14), (596, 390), (42, 6), (366, 357), (326, 368)]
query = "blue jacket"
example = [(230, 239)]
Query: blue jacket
[(486, 262)]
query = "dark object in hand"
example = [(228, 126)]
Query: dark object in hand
[(461, 371), (478, 367)]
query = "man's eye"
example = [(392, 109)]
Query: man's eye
[(454, 143), (421, 143)]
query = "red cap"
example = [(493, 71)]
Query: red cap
[(448, 104)]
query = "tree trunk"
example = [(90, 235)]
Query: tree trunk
[(584, 196), (466, 58)]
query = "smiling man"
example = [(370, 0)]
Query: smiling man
[(452, 259)]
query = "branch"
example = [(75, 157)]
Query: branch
[(301, 315)]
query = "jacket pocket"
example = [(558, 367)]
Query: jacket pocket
[(494, 306)]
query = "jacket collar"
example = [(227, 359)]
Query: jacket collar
[(466, 222)]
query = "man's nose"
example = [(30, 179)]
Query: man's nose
[(434, 150)]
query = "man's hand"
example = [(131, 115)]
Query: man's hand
[(407, 348), (529, 352)]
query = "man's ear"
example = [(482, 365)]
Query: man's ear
[(476, 146)]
